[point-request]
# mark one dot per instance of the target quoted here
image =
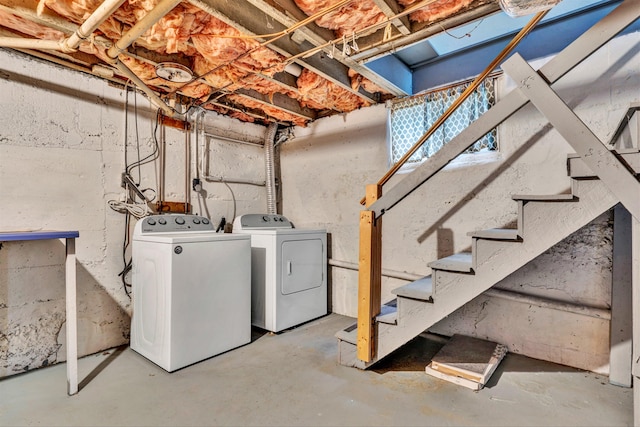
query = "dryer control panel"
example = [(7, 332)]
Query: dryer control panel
[(260, 222), (171, 223)]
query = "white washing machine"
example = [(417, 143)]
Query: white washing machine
[(191, 290), (288, 271)]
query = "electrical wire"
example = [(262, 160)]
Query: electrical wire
[(133, 209), (156, 148)]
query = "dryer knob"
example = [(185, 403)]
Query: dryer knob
[(205, 221), (179, 220), (162, 221), (265, 218), (196, 221), (151, 221)]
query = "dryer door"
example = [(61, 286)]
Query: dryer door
[(302, 265)]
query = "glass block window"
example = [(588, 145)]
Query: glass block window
[(412, 117)]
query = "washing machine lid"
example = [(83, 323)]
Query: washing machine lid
[(189, 237)]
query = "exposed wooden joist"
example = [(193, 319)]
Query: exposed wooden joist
[(251, 21), (317, 36), (279, 101), (288, 14), (375, 44), (391, 8)]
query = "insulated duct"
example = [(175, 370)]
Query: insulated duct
[(269, 167)]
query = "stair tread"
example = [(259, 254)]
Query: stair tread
[(421, 289), (388, 313), (348, 334), (496, 234), (462, 262), (545, 197)]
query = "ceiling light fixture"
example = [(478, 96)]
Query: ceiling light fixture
[(173, 72)]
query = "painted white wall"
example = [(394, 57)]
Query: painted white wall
[(61, 156), (326, 167)]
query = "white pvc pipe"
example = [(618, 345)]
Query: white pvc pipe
[(104, 11), (71, 43), (20, 43), (154, 15)]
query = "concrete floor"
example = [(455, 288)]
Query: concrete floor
[(293, 379)]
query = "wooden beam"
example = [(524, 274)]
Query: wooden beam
[(250, 20), (391, 8), (289, 15), (376, 45), (369, 276), (279, 101)]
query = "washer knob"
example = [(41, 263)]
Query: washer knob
[(196, 221), (205, 221), (265, 218), (179, 220), (151, 221), (162, 221)]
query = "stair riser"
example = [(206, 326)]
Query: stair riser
[(578, 168), (537, 218)]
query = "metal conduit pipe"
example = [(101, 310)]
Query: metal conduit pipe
[(187, 171), (583, 310), (402, 275), (222, 179), (269, 167)]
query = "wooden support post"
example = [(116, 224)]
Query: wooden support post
[(369, 275)]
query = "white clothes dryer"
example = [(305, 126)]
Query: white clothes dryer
[(288, 271), (191, 290)]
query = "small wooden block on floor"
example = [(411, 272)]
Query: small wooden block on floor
[(467, 361)]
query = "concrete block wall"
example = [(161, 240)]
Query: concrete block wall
[(61, 157), (326, 167)]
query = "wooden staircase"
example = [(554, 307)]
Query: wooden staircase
[(600, 178), (495, 254), (542, 222)]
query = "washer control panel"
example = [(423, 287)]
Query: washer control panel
[(261, 221), (170, 223)]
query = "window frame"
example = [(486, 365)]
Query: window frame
[(464, 159)]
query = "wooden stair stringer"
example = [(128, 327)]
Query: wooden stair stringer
[(545, 224)]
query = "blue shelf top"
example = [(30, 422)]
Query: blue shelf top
[(11, 236)]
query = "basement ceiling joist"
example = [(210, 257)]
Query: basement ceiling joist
[(252, 21), (248, 81)]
